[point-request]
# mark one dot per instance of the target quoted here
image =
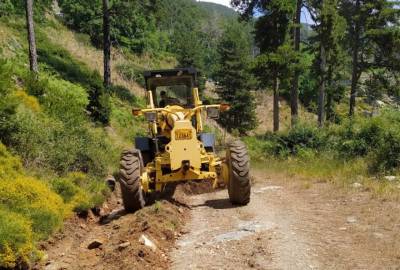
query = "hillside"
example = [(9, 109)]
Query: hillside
[(54, 146), (219, 10)]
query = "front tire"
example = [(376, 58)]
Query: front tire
[(239, 173), (129, 177)]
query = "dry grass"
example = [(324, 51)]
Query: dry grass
[(264, 112), (79, 46), (347, 175), (8, 42)]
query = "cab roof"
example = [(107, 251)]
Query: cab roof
[(169, 77)]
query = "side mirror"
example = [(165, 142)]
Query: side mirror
[(213, 112), (225, 107), (136, 112)]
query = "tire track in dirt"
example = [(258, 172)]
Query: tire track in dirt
[(286, 226)]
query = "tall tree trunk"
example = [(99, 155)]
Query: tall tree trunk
[(294, 93), (31, 37), (355, 71), (321, 95), (106, 44), (276, 104), (329, 106)]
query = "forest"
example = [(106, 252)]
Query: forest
[(65, 114)]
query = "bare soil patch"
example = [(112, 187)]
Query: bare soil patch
[(115, 240)]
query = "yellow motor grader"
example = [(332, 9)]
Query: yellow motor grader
[(177, 149)]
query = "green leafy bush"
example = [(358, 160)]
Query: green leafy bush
[(60, 62), (80, 191), (61, 146), (29, 211), (377, 139), (386, 156), (260, 147), (133, 28), (303, 136), (16, 240), (34, 200), (8, 101), (297, 139), (6, 7), (358, 138), (65, 101)]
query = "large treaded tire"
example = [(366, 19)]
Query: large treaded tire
[(129, 177), (239, 173)]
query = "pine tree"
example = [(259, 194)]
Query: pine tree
[(330, 58), (275, 64), (372, 34), (233, 74), (294, 93)]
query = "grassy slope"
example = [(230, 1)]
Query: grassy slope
[(20, 230), (79, 46)]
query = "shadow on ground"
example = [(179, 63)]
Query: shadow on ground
[(217, 204)]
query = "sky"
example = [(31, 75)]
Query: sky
[(222, 2), (305, 17)]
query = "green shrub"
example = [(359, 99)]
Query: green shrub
[(47, 142), (16, 240), (60, 62), (29, 196), (29, 211), (8, 101), (6, 7), (305, 136), (377, 139), (65, 100), (386, 157), (286, 143), (34, 200), (10, 166), (360, 137), (259, 148), (80, 191)]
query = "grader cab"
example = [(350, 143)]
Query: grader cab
[(177, 148)]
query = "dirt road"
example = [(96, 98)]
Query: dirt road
[(290, 226)]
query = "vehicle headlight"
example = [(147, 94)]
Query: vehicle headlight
[(213, 112), (150, 116)]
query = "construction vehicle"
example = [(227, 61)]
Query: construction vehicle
[(177, 148)]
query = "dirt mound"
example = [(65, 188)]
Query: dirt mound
[(195, 187), (116, 240)]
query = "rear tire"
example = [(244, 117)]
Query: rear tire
[(239, 173), (129, 177)]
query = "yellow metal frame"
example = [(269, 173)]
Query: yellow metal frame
[(190, 151)]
